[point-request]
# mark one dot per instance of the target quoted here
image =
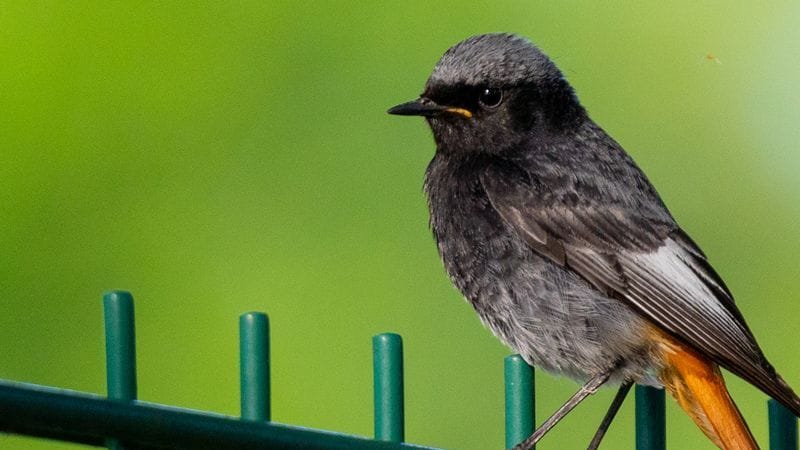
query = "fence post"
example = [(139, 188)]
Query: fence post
[(650, 419), (387, 364), (120, 349), (782, 427), (520, 402), (254, 376)]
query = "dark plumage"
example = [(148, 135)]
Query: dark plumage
[(555, 236)]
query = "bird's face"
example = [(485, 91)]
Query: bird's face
[(491, 93), (485, 117)]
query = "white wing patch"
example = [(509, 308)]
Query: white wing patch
[(671, 278)]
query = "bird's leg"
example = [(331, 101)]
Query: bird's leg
[(588, 389), (609, 417)]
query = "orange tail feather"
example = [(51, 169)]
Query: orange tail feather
[(698, 386)]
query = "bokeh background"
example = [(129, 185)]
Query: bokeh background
[(216, 158)]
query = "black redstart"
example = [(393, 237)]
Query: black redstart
[(565, 249)]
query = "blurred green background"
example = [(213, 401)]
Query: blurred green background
[(215, 158)]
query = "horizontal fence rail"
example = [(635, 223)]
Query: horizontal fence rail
[(120, 421), (88, 419)]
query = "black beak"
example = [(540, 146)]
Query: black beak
[(428, 108), (419, 107)]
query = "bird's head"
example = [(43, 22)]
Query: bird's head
[(490, 93)]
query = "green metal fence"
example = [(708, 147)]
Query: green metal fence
[(120, 421)]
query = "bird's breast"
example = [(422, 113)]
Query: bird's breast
[(473, 241)]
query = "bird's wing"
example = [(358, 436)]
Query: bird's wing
[(639, 257)]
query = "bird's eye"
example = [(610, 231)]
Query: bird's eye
[(490, 97)]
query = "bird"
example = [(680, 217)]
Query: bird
[(565, 249)]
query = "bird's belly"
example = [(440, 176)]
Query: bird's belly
[(548, 314)]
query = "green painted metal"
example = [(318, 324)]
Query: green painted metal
[(387, 362), (520, 402), (120, 345), (90, 419), (782, 427), (254, 366), (650, 419), (120, 349)]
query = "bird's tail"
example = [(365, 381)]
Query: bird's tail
[(698, 386)]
